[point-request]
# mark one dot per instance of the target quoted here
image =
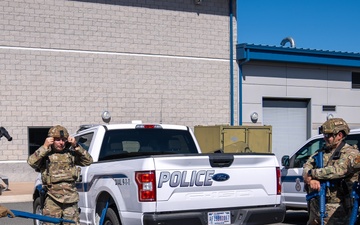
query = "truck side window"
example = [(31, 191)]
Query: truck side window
[(306, 151), (310, 148), (85, 140), (353, 140)]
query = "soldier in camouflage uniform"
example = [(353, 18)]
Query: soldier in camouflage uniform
[(339, 168), (56, 162)]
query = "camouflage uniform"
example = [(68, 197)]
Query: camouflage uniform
[(341, 172), (59, 174)]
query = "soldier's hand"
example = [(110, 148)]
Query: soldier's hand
[(72, 141), (307, 178), (5, 211), (48, 141), (315, 185), (357, 162)]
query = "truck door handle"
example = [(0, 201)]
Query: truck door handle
[(220, 160), (79, 178)]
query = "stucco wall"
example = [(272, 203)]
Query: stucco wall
[(323, 85)]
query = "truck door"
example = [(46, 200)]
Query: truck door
[(292, 181), (85, 140)]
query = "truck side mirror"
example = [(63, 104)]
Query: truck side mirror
[(285, 161)]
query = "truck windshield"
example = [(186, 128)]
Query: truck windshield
[(137, 142)]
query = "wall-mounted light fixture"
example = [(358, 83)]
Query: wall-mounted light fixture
[(254, 117), (197, 2), (106, 117), (329, 116)]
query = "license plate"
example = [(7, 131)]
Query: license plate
[(219, 218)]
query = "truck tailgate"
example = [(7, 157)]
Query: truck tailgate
[(207, 181)]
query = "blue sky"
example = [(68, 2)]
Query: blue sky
[(314, 24)]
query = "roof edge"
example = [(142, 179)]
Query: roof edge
[(248, 52)]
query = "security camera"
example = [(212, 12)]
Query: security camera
[(197, 2)]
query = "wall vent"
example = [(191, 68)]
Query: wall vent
[(355, 80), (329, 108)]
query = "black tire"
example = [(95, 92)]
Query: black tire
[(111, 217), (37, 210)]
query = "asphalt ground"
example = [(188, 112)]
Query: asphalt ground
[(19, 196), (20, 206)]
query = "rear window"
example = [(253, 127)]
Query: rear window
[(137, 142)]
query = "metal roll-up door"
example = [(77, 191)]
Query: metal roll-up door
[(289, 121)]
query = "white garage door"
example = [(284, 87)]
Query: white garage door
[(289, 122)]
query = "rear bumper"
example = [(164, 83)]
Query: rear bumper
[(244, 216)]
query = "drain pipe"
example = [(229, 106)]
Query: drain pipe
[(240, 73), (231, 63), (240, 86)]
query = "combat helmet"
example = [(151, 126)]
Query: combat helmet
[(58, 131), (334, 126)]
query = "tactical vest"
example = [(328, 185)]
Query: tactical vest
[(60, 167)]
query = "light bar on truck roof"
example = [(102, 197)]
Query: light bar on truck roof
[(148, 126)]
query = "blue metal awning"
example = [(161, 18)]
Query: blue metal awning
[(249, 52)]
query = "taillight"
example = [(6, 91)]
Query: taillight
[(146, 185), (278, 181)]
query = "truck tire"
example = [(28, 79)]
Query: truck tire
[(37, 210), (111, 218)]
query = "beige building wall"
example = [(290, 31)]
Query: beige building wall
[(64, 62)]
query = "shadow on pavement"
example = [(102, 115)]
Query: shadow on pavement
[(298, 217)]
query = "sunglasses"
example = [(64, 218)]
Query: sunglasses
[(329, 135)]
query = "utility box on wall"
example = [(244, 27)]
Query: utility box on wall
[(234, 139)]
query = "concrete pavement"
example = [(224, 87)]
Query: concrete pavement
[(17, 192)]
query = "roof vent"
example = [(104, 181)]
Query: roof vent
[(288, 39)]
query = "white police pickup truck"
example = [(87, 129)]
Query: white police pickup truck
[(293, 189), (155, 174)]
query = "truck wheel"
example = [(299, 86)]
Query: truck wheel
[(111, 217), (37, 210)]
